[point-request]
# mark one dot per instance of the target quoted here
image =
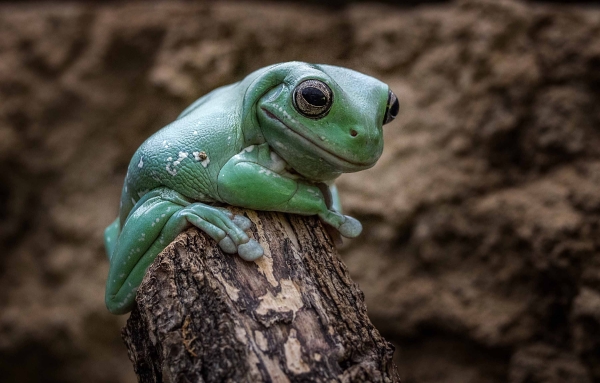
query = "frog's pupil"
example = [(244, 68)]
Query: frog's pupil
[(394, 109), (314, 96)]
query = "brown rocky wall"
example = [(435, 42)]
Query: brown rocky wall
[(480, 257)]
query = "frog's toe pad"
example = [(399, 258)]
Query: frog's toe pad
[(227, 245), (242, 222), (250, 251), (350, 228)]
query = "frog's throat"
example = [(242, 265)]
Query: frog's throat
[(323, 152)]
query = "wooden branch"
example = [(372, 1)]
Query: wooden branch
[(294, 315)]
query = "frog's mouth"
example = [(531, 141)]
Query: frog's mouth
[(326, 154)]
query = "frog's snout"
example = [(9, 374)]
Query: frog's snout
[(361, 135), (364, 142), (357, 132)]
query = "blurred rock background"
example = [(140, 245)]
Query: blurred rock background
[(480, 258)]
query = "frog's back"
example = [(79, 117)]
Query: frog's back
[(188, 154)]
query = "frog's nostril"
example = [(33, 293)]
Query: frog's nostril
[(353, 133)]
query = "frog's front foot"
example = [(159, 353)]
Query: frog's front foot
[(351, 227), (248, 251), (223, 226), (347, 226)]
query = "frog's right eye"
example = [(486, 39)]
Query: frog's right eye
[(313, 99)]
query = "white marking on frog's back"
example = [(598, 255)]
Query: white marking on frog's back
[(141, 163), (182, 156), (173, 170), (202, 157)]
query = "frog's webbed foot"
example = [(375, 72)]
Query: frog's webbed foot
[(351, 227), (348, 227), (220, 224), (250, 251)]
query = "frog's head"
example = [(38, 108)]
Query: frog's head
[(322, 120)]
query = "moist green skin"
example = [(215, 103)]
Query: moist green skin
[(245, 145)]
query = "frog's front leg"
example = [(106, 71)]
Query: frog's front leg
[(253, 179), (154, 222)]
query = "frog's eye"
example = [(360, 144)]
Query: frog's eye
[(313, 98), (391, 110)]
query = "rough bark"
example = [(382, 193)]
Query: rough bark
[(294, 315)]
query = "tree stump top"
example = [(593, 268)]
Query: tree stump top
[(293, 315)]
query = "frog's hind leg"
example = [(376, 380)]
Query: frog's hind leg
[(154, 222), (134, 245), (111, 234)]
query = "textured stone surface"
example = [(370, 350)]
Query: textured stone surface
[(481, 252)]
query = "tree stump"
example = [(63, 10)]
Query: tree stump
[(294, 315)]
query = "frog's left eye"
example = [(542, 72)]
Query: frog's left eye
[(313, 98), (391, 110)]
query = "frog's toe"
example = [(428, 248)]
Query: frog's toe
[(242, 222), (225, 211), (220, 218), (250, 251), (350, 228), (227, 245)]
